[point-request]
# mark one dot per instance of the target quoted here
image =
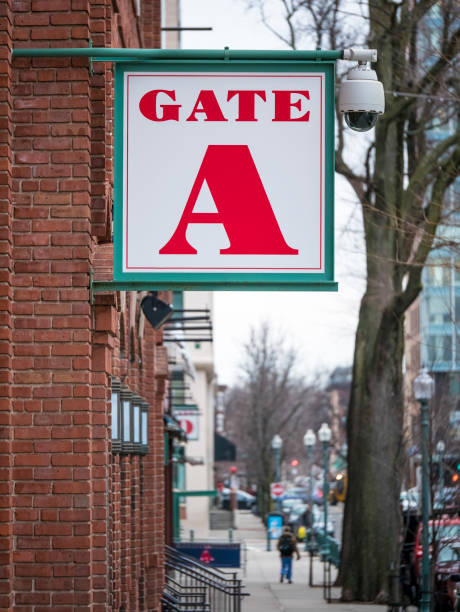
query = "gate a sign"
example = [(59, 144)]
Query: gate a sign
[(224, 175)]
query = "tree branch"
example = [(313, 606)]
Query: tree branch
[(424, 172), (431, 77), (448, 172)]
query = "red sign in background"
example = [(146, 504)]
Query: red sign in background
[(277, 489)]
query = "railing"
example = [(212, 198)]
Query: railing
[(329, 551), (176, 598), (192, 586)]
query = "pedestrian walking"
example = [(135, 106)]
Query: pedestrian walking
[(287, 546)]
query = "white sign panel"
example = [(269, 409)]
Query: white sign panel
[(224, 176), (223, 173), (188, 420)]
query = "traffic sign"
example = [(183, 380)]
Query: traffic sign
[(225, 174), (276, 490)]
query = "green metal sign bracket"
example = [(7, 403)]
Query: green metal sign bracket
[(106, 54)]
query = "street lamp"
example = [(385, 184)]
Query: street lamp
[(423, 392), (277, 443), (309, 441), (440, 448), (324, 435)]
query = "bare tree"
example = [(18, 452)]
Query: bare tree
[(269, 399), (409, 167)]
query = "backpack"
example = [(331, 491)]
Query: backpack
[(286, 546)]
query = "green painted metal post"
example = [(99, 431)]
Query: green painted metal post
[(441, 479), (325, 549), (277, 453), (425, 595), (325, 494), (310, 495), (176, 518)]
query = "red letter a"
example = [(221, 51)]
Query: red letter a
[(243, 206)]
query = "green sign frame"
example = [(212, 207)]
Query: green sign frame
[(225, 281)]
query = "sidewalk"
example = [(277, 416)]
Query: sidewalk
[(261, 577)]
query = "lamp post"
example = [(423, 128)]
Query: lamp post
[(324, 435), (423, 392), (309, 441), (277, 443), (440, 448)]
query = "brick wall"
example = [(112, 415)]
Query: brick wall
[(6, 490), (81, 527), (137, 491)]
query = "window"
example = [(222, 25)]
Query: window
[(115, 407), (114, 412), (126, 421), (129, 421), (438, 307), (136, 423), (439, 349), (144, 436), (438, 273)]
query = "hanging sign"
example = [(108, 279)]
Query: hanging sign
[(188, 420), (224, 175)]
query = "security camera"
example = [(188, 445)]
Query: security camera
[(361, 98)]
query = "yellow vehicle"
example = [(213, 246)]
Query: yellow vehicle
[(338, 491)]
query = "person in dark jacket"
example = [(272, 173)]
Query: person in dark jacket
[(287, 546)]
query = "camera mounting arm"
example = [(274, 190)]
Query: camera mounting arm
[(360, 55)]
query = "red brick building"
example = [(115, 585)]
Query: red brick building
[(82, 517)]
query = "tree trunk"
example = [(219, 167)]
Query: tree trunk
[(375, 423)]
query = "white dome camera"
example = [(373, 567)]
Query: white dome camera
[(361, 98)]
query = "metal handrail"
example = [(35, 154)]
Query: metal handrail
[(184, 574)]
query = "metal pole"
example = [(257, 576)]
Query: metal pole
[(325, 490), (176, 517), (325, 551), (277, 474), (441, 479), (310, 494), (425, 595), (117, 54)]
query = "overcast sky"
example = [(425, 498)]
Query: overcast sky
[(320, 325)]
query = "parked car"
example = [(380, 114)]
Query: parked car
[(455, 578), (303, 493), (338, 488), (445, 529), (298, 493), (446, 567), (446, 498), (296, 516), (409, 500), (245, 501), (318, 521)]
